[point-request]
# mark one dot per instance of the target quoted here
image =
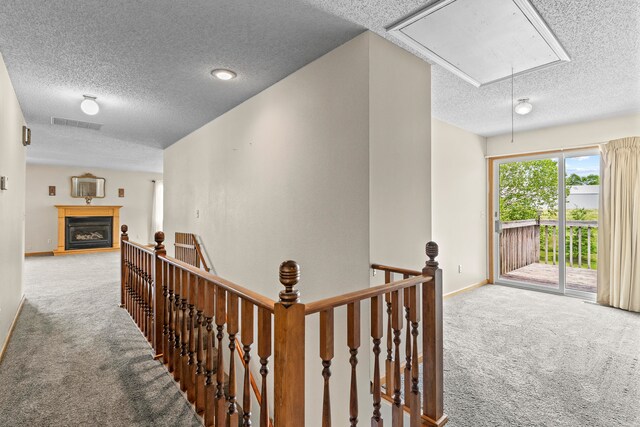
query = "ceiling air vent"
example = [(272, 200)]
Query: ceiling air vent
[(75, 123)]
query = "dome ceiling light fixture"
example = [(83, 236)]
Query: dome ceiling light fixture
[(89, 106), (223, 74), (523, 106)]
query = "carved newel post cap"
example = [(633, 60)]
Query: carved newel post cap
[(159, 238), (124, 229), (432, 252), (289, 277)]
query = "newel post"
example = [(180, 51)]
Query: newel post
[(432, 366), (123, 266), (289, 324), (159, 294)]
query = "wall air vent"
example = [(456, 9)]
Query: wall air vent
[(482, 41), (75, 123)]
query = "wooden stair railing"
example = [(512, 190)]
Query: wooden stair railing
[(185, 311), (187, 249)]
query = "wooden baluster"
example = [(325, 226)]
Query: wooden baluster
[(397, 411), (177, 330), (232, 329), (127, 281), (247, 340), (200, 345), (264, 351), (413, 397), (165, 312), (289, 330), (150, 303), (589, 247), (139, 289), (191, 354), (579, 247), (134, 285), (142, 290), (571, 246), (209, 385), (376, 334), (407, 345), (221, 319), (184, 332), (160, 294), (326, 354), (555, 229), (388, 278), (140, 310), (432, 350), (124, 237), (130, 281), (146, 262), (546, 244), (171, 336), (353, 342)]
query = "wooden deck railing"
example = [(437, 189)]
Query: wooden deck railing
[(192, 318), (531, 241)]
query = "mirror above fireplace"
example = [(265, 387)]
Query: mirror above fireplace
[(87, 187)]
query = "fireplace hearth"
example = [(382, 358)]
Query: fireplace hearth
[(88, 232)]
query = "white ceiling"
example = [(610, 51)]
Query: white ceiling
[(602, 37), (148, 62), (482, 42)]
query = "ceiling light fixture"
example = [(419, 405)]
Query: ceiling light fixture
[(523, 106), (89, 106), (222, 74)]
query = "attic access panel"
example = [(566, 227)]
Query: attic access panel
[(481, 40)]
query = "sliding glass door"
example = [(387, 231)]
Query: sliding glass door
[(545, 212)]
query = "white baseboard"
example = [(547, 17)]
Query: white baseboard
[(465, 289), (13, 325)]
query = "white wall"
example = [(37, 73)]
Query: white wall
[(459, 204), (42, 216), (287, 175), (400, 156), (12, 165), (567, 136)]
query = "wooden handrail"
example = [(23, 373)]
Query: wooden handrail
[(241, 292), (200, 255), (140, 246), (190, 253), (334, 302), (188, 314), (397, 270)]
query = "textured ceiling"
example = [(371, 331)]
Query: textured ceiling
[(602, 80), (148, 62)]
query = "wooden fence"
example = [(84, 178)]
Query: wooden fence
[(530, 241)]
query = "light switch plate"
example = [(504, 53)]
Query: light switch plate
[(4, 182)]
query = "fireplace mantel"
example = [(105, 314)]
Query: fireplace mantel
[(65, 211)]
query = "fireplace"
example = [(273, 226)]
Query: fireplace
[(88, 232)]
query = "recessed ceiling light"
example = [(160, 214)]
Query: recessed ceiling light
[(523, 106), (222, 74), (89, 106)]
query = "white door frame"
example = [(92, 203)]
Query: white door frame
[(561, 156)]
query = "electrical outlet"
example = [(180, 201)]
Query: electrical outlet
[(49, 241), (459, 268)]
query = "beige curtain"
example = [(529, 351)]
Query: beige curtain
[(619, 225)]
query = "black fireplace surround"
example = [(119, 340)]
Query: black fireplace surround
[(88, 232)]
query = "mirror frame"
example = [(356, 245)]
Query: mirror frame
[(96, 178)]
